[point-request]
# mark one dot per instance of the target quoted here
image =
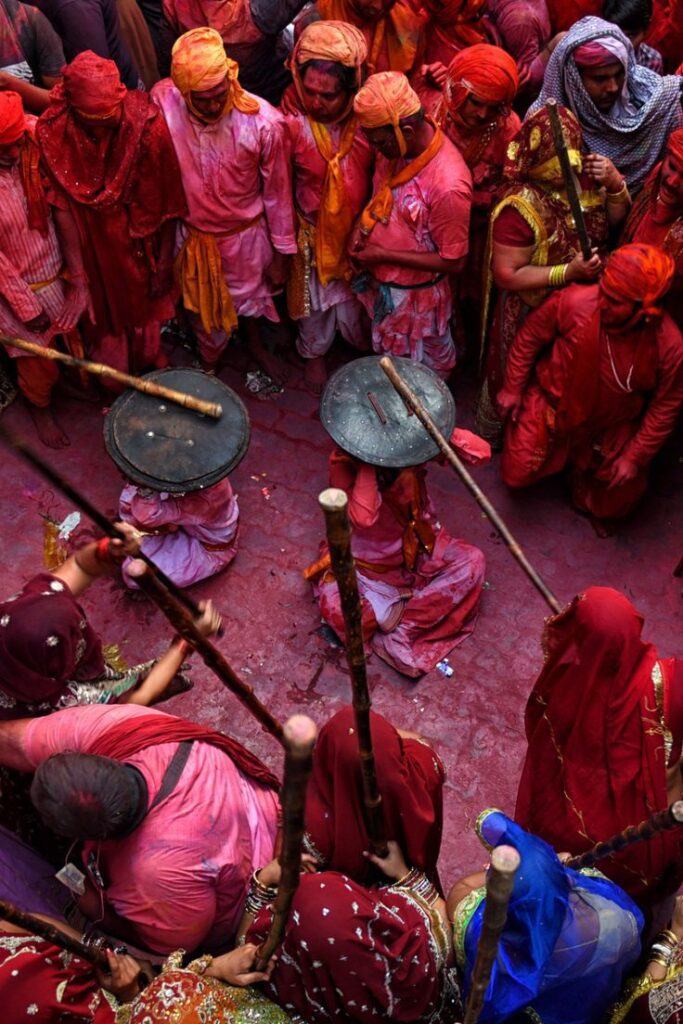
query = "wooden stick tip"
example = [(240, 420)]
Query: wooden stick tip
[(300, 731), (677, 811), (386, 361), (333, 499), (505, 859)]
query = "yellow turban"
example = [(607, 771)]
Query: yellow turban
[(386, 98), (199, 63), (331, 40)]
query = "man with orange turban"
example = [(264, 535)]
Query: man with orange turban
[(414, 232), (477, 116), (36, 302), (235, 165), (594, 383), (657, 217), (333, 164), (394, 30), (111, 163)]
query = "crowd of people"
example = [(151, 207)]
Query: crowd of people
[(493, 186)]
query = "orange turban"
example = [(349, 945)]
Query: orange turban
[(199, 63), (93, 85), (334, 41), (386, 98), (638, 273), (12, 120), (675, 144), (486, 71)]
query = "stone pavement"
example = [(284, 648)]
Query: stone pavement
[(272, 626)]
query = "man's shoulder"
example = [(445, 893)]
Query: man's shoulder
[(449, 166)]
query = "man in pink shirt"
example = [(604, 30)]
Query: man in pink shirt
[(333, 163), (175, 818), (236, 172), (414, 233)]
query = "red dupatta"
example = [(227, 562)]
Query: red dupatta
[(603, 721), (121, 742)]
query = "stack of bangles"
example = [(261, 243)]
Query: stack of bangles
[(662, 949), (259, 896), (621, 196), (418, 884), (558, 275)]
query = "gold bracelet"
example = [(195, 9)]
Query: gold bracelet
[(558, 275), (656, 960), (668, 936), (621, 196)]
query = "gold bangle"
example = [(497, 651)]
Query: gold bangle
[(668, 936), (558, 275), (656, 960)]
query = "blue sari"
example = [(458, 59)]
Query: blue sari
[(569, 939)]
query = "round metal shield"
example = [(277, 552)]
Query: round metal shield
[(162, 445), (365, 415)]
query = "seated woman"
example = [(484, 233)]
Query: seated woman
[(656, 997), (604, 726), (533, 243), (569, 939)]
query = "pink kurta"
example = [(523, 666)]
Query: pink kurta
[(180, 877), (236, 170), (415, 616), (196, 533), (334, 307), (411, 309)]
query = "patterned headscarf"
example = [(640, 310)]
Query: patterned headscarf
[(199, 63), (532, 154), (633, 133)]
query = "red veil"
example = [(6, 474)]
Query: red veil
[(604, 720)]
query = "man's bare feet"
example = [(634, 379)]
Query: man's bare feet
[(315, 374), (47, 428), (276, 369)]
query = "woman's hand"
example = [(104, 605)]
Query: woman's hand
[(393, 865), (123, 977), (237, 967), (271, 874), (210, 621), (603, 172), (581, 270), (508, 403)]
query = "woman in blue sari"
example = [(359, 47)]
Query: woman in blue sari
[(569, 940)]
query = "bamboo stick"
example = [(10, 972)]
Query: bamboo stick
[(107, 527), (334, 505), (430, 426), (210, 655), (505, 861), (660, 821), (569, 182), (148, 387), (300, 735), (36, 926)]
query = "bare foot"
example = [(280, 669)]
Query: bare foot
[(47, 428), (276, 369), (315, 374)]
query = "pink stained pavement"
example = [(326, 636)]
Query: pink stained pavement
[(474, 718)]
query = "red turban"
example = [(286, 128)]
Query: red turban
[(638, 273), (12, 120), (93, 85), (593, 55), (675, 144), (486, 71)]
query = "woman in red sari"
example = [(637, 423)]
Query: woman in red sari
[(533, 244), (604, 726)]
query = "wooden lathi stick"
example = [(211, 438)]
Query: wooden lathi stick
[(569, 181), (149, 387), (334, 505), (661, 821), (107, 527), (210, 655), (430, 426), (499, 882), (300, 735), (35, 926)]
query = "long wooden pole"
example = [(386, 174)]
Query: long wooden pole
[(36, 926), (505, 861), (149, 387), (210, 655), (430, 426), (334, 505), (300, 735), (660, 821), (107, 527), (569, 182)]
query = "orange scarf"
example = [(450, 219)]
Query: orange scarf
[(36, 200), (400, 28), (418, 534), (380, 206), (335, 217)]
